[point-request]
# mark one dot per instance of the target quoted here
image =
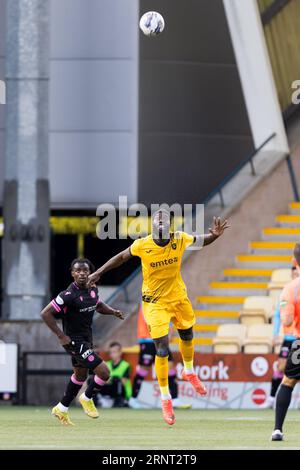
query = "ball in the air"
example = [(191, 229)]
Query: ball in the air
[(152, 23)]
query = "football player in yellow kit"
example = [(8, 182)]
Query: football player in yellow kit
[(164, 295)]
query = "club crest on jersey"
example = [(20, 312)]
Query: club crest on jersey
[(174, 246), (93, 294), (81, 298)]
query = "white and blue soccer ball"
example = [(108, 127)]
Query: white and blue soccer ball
[(152, 23)]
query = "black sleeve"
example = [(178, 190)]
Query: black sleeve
[(62, 301)]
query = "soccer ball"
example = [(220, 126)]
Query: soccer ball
[(152, 23)]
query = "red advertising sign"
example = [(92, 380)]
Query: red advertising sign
[(223, 367)]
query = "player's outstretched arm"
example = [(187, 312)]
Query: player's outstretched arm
[(216, 231), (108, 310), (112, 263), (49, 319)]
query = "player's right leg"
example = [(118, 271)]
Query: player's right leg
[(60, 411), (162, 372), (283, 401), (284, 395)]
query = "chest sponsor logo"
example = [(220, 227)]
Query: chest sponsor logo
[(163, 263), (88, 309)]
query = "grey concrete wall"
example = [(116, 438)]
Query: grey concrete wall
[(2, 107), (93, 101), (194, 128)]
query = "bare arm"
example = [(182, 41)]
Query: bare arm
[(216, 231), (47, 315), (112, 263), (107, 310)]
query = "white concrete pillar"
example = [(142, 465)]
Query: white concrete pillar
[(256, 74)]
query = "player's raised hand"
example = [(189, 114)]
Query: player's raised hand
[(219, 226), (119, 314), (93, 279)]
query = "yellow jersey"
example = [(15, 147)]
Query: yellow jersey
[(162, 281)]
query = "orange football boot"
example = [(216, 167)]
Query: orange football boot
[(168, 412), (196, 383)]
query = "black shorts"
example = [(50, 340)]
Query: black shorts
[(147, 354), (82, 353), (292, 368), (285, 348)]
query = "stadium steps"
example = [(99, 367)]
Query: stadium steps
[(271, 247), (294, 208), (246, 260), (216, 317), (281, 234), (238, 288), (288, 220), (197, 341), (248, 276), (220, 302)]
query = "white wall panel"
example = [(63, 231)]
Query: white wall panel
[(87, 169), (93, 101)]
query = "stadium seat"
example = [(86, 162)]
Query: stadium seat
[(256, 309), (259, 339), (229, 339), (279, 278)]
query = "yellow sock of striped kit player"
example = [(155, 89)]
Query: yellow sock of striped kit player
[(162, 373), (187, 352)]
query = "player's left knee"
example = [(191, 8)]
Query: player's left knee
[(186, 335)]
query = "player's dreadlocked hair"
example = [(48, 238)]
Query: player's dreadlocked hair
[(81, 261)]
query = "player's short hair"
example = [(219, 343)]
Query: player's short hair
[(164, 211), (83, 261), (115, 344)]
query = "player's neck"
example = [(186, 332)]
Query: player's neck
[(161, 241), (80, 286)]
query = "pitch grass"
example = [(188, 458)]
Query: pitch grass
[(34, 428)]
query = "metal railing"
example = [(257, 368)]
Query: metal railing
[(249, 160), (27, 371)]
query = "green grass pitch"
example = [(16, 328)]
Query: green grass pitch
[(35, 428)]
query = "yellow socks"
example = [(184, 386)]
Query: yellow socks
[(187, 352), (162, 372)]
